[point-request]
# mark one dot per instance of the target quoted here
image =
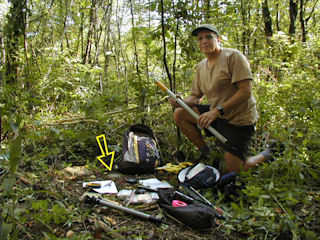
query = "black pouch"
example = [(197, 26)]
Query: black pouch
[(195, 215)]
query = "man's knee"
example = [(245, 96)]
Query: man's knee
[(179, 115)]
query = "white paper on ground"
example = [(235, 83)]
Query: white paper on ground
[(154, 183), (195, 170), (124, 193), (107, 186)]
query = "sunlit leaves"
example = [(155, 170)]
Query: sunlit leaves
[(15, 152)]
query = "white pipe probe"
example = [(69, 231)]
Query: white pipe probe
[(190, 110)]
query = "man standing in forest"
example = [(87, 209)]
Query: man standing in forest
[(224, 77)]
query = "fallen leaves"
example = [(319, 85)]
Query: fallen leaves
[(69, 233), (77, 171)]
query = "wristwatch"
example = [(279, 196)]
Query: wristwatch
[(220, 108)]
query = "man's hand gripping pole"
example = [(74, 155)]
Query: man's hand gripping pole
[(189, 110)]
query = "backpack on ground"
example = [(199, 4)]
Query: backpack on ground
[(140, 152)]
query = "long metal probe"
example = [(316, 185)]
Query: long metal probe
[(124, 209), (189, 110)]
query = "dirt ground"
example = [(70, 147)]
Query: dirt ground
[(104, 223)]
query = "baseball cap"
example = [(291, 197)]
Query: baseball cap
[(209, 27)]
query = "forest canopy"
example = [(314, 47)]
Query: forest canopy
[(74, 69)]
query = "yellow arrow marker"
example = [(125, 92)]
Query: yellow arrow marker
[(104, 151)]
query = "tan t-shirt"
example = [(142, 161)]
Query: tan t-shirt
[(217, 84)]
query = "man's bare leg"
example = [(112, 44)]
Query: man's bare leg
[(188, 126), (254, 161), (235, 164)]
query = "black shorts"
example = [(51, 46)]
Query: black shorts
[(238, 137)]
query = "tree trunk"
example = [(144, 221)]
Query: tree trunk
[(120, 53), (165, 46), (81, 35), (245, 47), (207, 11), (311, 13), (278, 17), (175, 53), (180, 155), (15, 32), (106, 46), (134, 40), (267, 19), (65, 25), (137, 63), (87, 54), (25, 44), (100, 29), (293, 10), (179, 137), (302, 22)]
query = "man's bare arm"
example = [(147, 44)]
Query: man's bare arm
[(190, 101)]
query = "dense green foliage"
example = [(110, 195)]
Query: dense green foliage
[(73, 69)]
